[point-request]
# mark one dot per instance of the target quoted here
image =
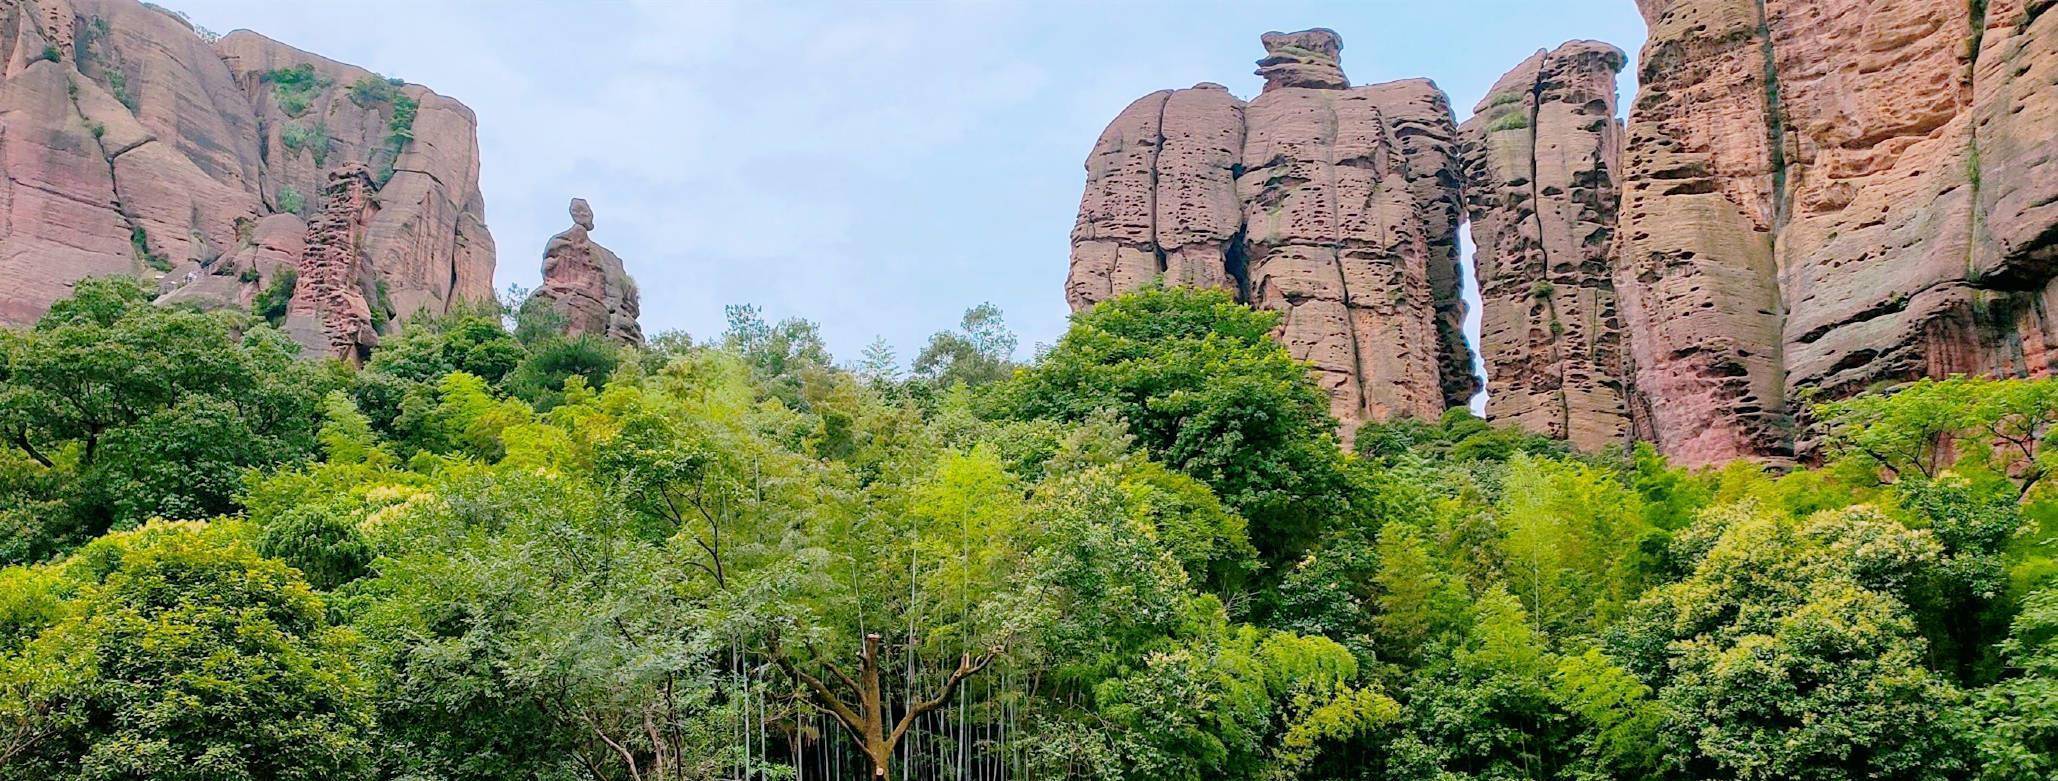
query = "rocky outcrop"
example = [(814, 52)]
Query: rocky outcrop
[(134, 143), (1304, 200), (1811, 198), (585, 285), (1420, 115), (1822, 196), (1541, 153), (339, 301)]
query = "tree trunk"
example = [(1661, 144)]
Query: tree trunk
[(867, 722)]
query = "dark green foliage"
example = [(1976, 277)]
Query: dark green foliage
[(270, 303), (980, 352), (138, 411), (322, 543), (370, 91), (1204, 389), (540, 378), (139, 243)]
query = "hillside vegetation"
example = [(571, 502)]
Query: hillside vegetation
[(498, 554)]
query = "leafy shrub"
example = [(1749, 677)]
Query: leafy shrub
[(314, 138), (295, 88), (270, 303), (370, 91), (1513, 120), (290, 200)]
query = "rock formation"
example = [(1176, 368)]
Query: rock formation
[(585, 284), (1305, 200), (332, 312), (1822, 196), (134, 143), (1540, 157), (1809, 197)]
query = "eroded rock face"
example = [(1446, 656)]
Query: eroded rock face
[(1305, 200), (1822, 196), (586, 285), (135, 144), (1540, 159), (332, 310)]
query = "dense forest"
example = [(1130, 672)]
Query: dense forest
[(495, 552)]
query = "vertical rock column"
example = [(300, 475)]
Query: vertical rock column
[(1695, 278), (1420, 116), (1331, 236), (2015, 198), (330, 314), (1336, 206), (1160, 197), (1540, 159)]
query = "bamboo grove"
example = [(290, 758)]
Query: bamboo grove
[(495, 552)]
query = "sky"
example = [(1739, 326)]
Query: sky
[(877, 167)]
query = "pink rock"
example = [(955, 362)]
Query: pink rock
[(331, 314), (1305, 200), (179, 145), (1541, 153), (586, 285)]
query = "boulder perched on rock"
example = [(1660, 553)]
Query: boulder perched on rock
[(585, 285)]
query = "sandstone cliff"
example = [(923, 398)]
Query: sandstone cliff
[(1304, 200), (1809, 197), (135, 144), (1541, 153), (1825, 195), (585, 286)]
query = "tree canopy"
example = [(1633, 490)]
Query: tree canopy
[(496, 552)]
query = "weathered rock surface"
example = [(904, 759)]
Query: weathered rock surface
[(1420, 116), (1541, 153), (331, 313), (134, 143), (586, 285), (1822, 196), (1305, 200)]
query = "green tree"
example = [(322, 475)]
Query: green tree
[(981, 351), (128, 411), (1205, 390), (191, 657)]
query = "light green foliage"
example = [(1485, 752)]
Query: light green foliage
[(1573, 539), (290, 200), (176, 652), (314, 138), (1516, 119)]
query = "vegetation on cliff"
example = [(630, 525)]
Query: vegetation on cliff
[(1140, 555)]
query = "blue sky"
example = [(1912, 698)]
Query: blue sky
[(876, 167)]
